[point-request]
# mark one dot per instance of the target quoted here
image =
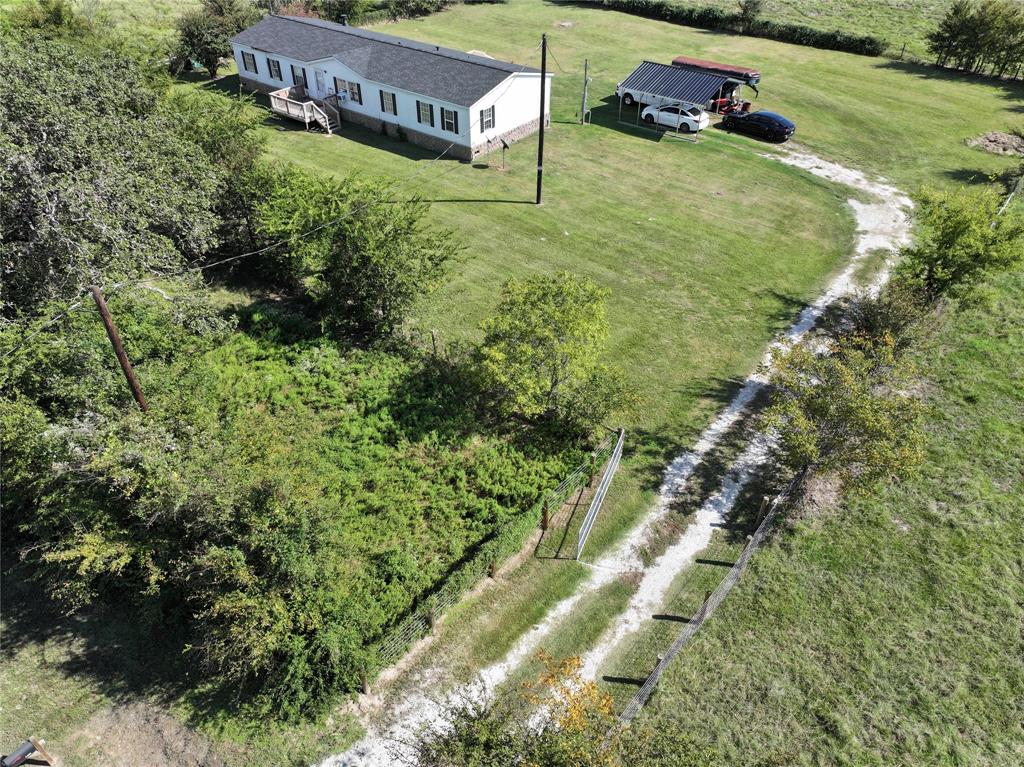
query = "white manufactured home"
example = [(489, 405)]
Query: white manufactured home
[(320, 72)]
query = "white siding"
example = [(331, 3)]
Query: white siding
[(332, 68), (516, 102)]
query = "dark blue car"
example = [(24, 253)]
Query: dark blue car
[(767, 125)]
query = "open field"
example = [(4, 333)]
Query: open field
[(888, 630), (896, 21)]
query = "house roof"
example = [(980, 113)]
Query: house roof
[(675, 83), (442, 73)]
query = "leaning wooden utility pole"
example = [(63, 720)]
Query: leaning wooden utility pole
[(543, 93), (115, 341), (586, 83)]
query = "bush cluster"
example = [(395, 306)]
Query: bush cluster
[(852, 411)]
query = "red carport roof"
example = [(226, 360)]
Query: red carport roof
[(714, 66)]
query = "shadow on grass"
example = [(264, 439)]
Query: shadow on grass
[(632, 680), (113, 650), (607, 115), (1012, 89)]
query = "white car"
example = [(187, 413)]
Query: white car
[(684, 117)]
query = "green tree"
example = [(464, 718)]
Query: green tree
[(347, 10), (363, 256), (750, 11), (960, 239), (844, 411), (205, 33), (101, 192), (947, 39), (542, 348)]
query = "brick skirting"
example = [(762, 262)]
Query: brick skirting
[(511, 136)]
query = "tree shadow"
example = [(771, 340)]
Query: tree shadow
[(970, 176), (113, 650), (652, 450), (1012, 89)]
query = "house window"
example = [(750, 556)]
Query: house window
[(249, 62), (275, 68), (388, 103), (450, 120), (340, 86), (319, 80), (299, 76), (355, 92), (487, 118), (425, 113)]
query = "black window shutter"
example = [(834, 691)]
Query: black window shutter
[(455, 116), (431, 115), (419, 111), (382, 101)]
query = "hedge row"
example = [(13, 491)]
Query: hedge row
[(716, 18)]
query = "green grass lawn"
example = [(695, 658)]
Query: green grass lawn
[(888, 630)]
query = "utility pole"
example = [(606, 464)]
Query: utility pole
[(543, 94), (586, 82), (115, 341)]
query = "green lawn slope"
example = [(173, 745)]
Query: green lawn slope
[(888, 630)]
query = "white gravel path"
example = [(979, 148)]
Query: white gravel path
[(881, 224)]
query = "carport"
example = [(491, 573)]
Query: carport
[(657, 84)]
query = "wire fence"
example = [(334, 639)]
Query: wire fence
[(484, 562), (602, 490), (710, 604)]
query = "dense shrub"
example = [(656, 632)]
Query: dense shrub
[(286, 502), (716, 18), (960, 239)]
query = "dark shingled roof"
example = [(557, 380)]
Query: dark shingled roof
[(445, 74)]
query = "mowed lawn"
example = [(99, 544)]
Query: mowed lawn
[(887, 631)]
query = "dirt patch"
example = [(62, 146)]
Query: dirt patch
[(998, 142), (141, 735), (564, 24)]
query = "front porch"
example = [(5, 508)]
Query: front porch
[(295, 103)]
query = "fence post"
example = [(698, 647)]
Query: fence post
[(545, 516), (593, 469), (764, 508), (492, 569), (704, 607), (432, 618), (364, 682)]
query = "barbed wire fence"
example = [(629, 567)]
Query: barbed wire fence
[(711, 603), (483, 563)]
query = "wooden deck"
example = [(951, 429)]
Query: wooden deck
[(294, 103)]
